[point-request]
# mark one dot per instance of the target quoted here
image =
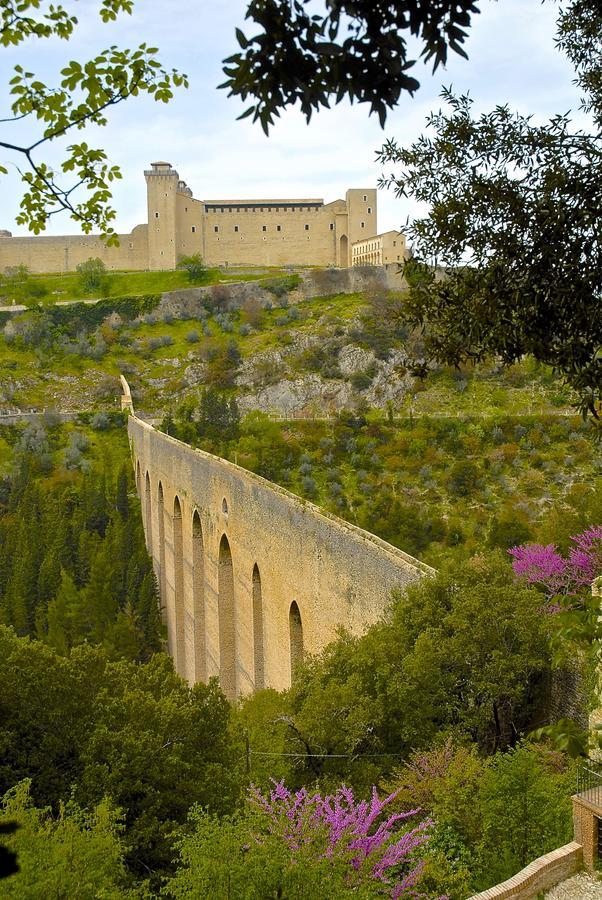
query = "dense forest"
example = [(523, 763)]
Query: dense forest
[(125, 782), (73, 565)]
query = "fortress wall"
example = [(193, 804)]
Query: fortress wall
[(189, 216), (293, 244), (336, 574), (64, 253), (268, 232)]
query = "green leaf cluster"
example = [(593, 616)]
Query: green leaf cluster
[(83, 96), (357, 51)]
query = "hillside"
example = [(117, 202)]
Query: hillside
[(300, 378), (280, 346), (463, 459)]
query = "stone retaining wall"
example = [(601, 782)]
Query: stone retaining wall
[(540, 875)]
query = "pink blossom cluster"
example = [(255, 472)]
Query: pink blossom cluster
[(559, 575), (352, 831)]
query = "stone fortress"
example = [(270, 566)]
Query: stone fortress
[(295, 232)]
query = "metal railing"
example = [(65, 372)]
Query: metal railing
[(589, 782)]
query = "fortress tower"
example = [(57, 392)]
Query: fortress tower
[(161, 188)]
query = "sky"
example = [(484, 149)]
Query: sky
[(512, 59)]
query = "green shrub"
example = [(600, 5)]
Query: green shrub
[(281, 286), (93, 276), (194, 267)]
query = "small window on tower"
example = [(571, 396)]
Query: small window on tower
[(362, 224), (216, 228), (194, 229), (156, 215), (307, 227), (264, 227), (369, 210), (365, 198), (278, 227), (236, 228), (332, 226)]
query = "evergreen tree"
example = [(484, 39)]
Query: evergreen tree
[(121, 493), (101, 605), (96, 504), (65, 625)]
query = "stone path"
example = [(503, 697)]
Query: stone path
[(580, 887)]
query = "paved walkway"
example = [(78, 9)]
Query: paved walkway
[(580, 887)]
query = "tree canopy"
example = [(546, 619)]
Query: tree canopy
[(514, 220)]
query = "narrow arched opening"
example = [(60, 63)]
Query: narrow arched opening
[(344, 251), (227, 630), (161, 530), (138, 477), (178, 589), (198, 629), (148, 512), (258, 655), (296, 637)]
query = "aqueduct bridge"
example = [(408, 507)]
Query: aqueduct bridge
[(250, 575)]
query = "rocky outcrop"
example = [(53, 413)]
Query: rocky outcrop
[(187, 302), (266, 382)]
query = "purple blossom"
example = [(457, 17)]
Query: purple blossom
[(545, 567), (339, 827)]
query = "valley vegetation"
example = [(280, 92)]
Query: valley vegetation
[(125, 778)]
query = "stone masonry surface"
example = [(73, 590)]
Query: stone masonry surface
[(540, 875), (251, 575)]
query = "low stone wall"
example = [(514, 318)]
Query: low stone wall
[(540, 875)]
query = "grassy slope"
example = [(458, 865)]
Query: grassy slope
[(48, 289), (523, 467)]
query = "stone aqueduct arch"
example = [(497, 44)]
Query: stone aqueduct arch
[(250, 576)]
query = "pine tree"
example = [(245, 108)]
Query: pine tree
[(101, 606), (121, 494), (97, 506), (124, 638), (64, 616)]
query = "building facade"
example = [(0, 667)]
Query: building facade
[(263, 232), (379, 249)]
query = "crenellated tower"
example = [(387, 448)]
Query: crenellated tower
[(162, 183)]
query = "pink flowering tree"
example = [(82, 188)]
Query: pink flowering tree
[(565, 579), (377, 845), (567, 584)]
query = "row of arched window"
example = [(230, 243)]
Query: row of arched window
[(188, 641)]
